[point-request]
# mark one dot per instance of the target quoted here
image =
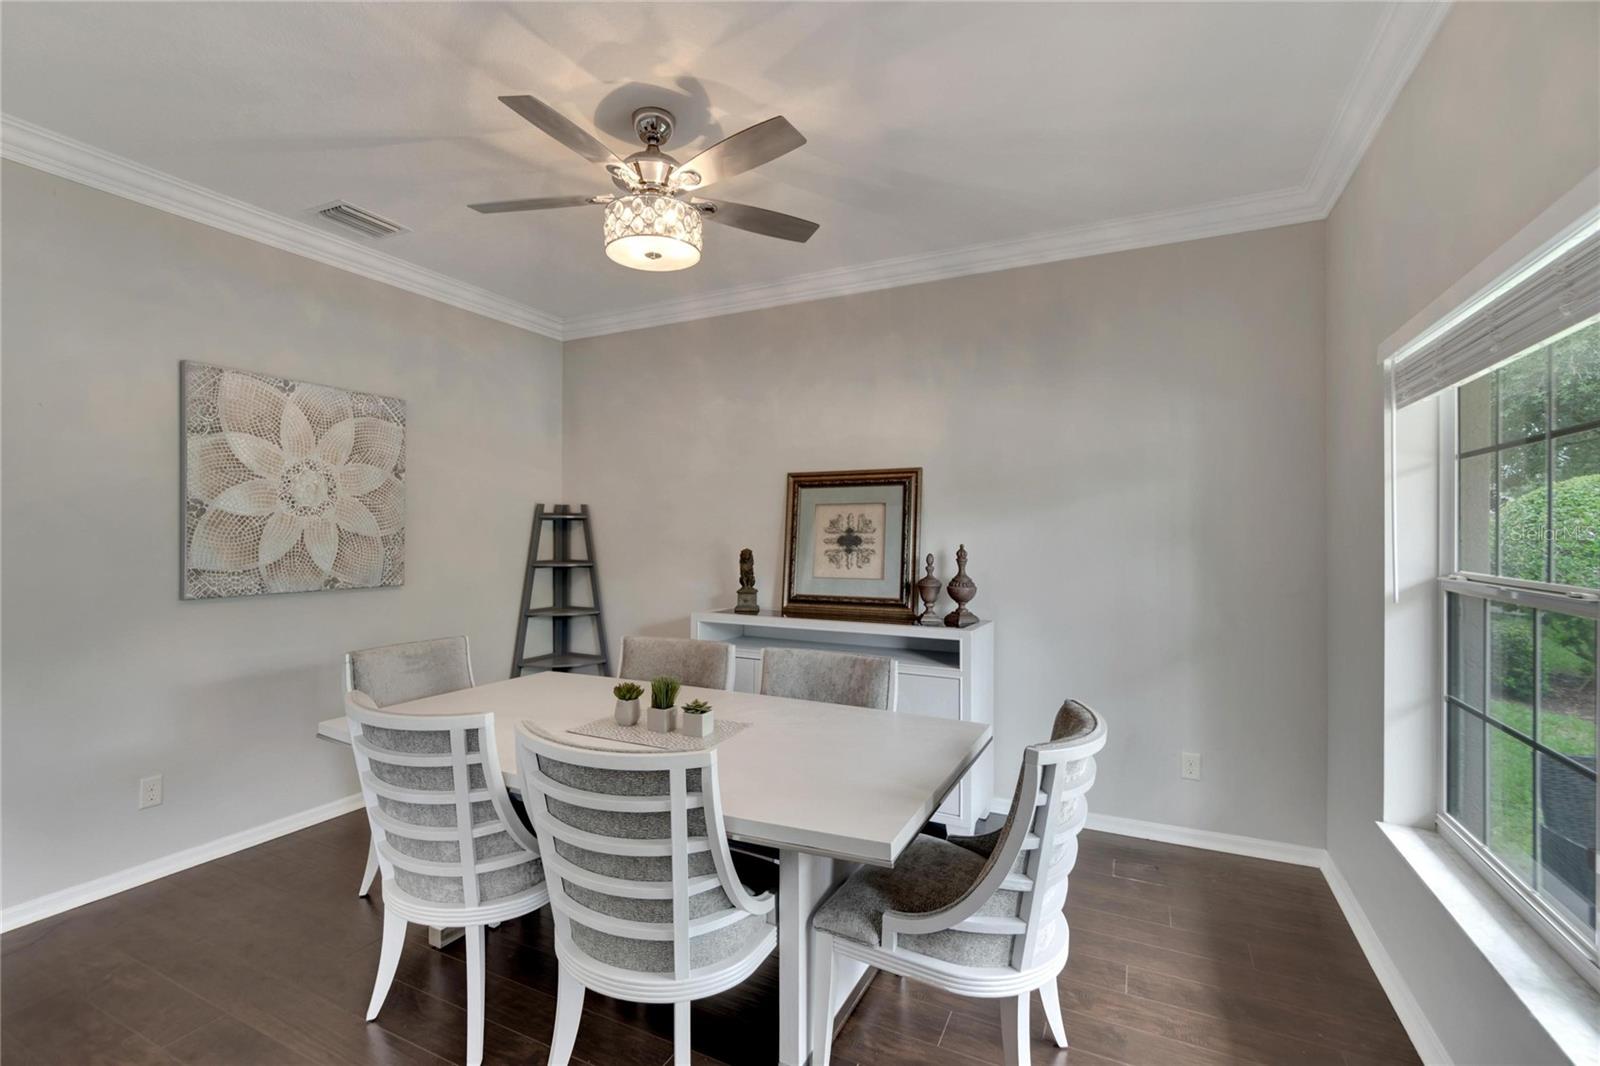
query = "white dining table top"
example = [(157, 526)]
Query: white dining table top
[(842, 781)]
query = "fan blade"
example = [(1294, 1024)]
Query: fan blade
[(745, 150), (757, 220), (542, 203), (561, 128)]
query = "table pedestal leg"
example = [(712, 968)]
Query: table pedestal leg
[(803, 880)]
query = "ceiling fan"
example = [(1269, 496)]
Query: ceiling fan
[(654, 224)]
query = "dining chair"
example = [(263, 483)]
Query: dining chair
[(823, 677), (976, 916), (395, 673), (829, 677), (646, 902), (696, 663), (452, 851)]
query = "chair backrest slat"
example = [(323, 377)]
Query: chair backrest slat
[(410, 758), (639, 872), (680, 875)]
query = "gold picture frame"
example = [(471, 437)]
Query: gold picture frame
[(850, 544)]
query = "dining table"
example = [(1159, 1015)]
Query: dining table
[(830, 787)]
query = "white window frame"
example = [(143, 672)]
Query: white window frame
[(1578, 946)]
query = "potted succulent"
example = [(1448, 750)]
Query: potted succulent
[(627, 695), (663, 700), (698, 720)]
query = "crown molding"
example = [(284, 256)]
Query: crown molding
[(43, 149), (1239, 215), (1401, 38)]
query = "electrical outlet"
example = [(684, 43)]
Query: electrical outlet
[(150, 791), (1189, 766)]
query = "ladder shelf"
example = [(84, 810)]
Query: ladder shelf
[(560, 611)]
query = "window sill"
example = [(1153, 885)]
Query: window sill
[(1559, 999)]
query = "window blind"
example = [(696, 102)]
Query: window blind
[(1554, 298)]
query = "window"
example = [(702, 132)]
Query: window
[(1520, 623)]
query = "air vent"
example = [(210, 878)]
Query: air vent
[(362, 221)]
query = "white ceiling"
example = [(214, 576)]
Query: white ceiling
[(950, 137)]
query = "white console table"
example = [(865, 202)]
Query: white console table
[(942, 672)]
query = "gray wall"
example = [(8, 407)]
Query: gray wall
[(1130, 446), (106, 675), (1499, 120)]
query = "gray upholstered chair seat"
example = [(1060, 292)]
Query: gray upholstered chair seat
[(929, 875)]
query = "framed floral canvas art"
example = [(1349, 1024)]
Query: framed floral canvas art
[(850, 541), (288, 486)]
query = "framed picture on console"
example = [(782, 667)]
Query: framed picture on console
[(850, 544)]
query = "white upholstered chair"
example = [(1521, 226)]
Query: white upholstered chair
[(696, 663), (646, 902), (829, 677), (976, 916), (395, 673), (451, 849)]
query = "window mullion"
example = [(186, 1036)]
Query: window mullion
[(1549, 464), (1533, 753), (1483, 726), (1494, 493)]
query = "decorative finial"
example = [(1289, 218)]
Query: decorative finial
[(928, 589), (962, 590)]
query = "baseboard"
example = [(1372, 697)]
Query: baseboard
[(1423, 1036), (1229, 843), (1421, 1032), (77, 895)]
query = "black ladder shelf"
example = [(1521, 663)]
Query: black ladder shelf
[(560, 610)]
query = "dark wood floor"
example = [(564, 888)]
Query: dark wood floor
[(267, 956)]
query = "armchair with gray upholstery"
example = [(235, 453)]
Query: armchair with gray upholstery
[(977, 916)]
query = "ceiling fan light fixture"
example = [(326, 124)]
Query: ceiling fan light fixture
[(648, 231)]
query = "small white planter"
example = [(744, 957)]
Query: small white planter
[(627, 712), (698, 725), (663, 719)]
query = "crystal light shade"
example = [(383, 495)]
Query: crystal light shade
[(647, 231)]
